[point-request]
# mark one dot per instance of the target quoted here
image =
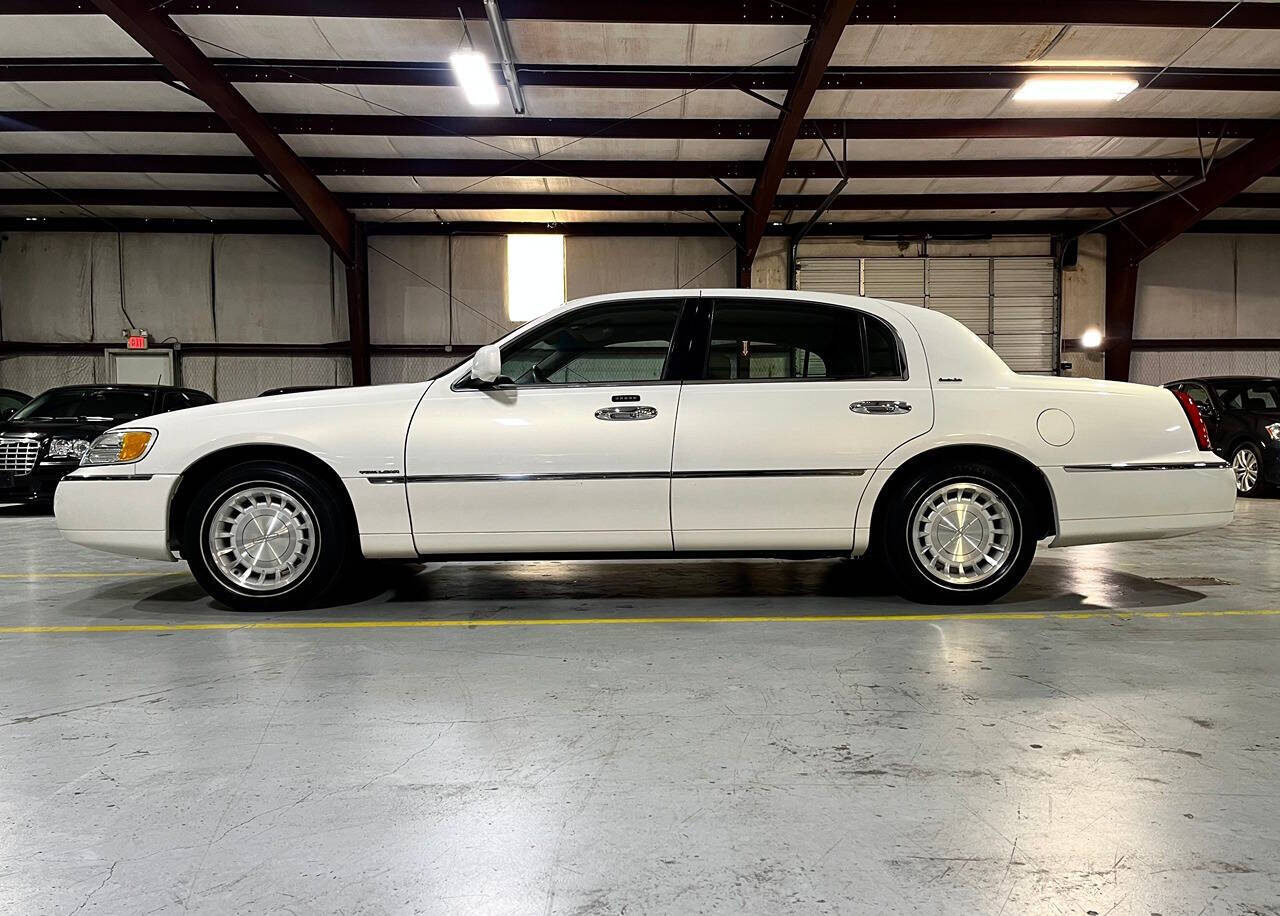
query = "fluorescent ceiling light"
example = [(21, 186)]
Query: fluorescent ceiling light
[(1075, 89), (475, 76), (535, 275)]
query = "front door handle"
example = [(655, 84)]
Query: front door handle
[(880, 407), (633, 412)]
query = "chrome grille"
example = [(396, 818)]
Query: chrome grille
[(18, 456)]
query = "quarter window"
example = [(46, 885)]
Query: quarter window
[(799, 341), (627, 342)]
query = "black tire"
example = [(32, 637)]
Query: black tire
[(1258, 487), (907, 570), (331, 546)]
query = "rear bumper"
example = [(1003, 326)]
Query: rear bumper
[(1101, 503), (119, 513)]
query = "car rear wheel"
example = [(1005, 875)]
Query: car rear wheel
[(957, 535), (1246, 464), (265, 537)]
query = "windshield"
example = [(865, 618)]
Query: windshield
[(104, 404), (1258, 394)]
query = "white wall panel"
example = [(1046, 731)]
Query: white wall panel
[(610, 265), (403, 306), (1187, 289), (705, 263), (274, 289), (1258, 286), (168, 286), (1210, 286), (479, 290), (46, 286)]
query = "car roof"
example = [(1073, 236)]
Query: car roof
[(89, 386), (1227, 378)]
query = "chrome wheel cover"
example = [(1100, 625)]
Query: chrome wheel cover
[(262, 538), (1245, 465), (963, 533)]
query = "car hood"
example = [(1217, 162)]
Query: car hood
[(48, 429), (279, 408)]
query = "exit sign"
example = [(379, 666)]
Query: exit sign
[(136, 340)]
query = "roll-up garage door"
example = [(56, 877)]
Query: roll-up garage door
[(899, 279), (1011, 303), (1024, 313)]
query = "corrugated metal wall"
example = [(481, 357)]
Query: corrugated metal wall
[(1010, 302)]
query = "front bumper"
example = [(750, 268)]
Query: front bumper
[(111, 509), (36, 486)]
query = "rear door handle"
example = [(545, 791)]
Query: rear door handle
[(634, 412), (880, 407)]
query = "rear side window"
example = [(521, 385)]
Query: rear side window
[(770, 340)]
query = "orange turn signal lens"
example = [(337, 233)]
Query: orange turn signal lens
[(133, 444)]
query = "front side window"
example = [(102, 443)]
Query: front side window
[(768, 340), (626, 342)]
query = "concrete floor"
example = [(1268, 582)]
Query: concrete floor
[(1042, 756)]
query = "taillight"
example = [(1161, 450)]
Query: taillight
[(1197, 422)]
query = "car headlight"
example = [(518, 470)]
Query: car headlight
[(68, 448), (1273, 430), (120, 446)]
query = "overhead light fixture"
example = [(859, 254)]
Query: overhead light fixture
[(475, 76), (1091, 339), (1075, 89), (506, 57)]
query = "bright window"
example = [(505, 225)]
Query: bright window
[(535, 275)]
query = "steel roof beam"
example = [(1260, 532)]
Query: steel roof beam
[(299, 187), (158, 35), (639, 128), (882, 229), (824, 34), (604, 76), (1180, 14), (164, 163), (635, 202)]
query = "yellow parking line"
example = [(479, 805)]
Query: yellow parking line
[(136, 574), (978, 617)]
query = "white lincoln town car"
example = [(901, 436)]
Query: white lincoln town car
[(676, 423)]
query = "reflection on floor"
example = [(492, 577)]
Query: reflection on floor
[(1036, 765)]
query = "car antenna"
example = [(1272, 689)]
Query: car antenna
[(155, 392)]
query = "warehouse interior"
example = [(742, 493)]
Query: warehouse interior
[(266, 194)]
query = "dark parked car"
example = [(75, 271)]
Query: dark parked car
[(295, 389), (1243, 417), (45, 438), (10, 401)]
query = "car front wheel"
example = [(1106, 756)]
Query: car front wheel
[(265, 537), (957, 535), (1246, 464)]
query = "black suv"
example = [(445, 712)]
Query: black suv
[(44, 439), (1243, 417)]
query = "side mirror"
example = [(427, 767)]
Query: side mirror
[(486, 365)]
